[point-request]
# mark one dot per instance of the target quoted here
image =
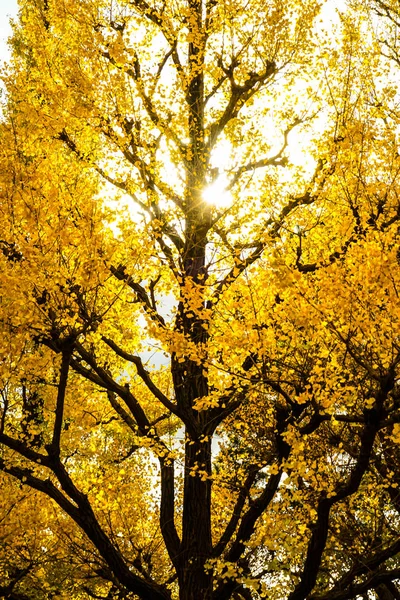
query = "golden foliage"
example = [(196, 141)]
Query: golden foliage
[(200, 400)]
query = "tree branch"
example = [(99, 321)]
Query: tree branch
[(357, 589), (240, 94), (141, 294), (319, 534), (144, 375), (236, 513), (54, 446)]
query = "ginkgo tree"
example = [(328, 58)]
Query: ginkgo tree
[(200, 319)]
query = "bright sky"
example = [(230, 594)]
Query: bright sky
[(8, 9)]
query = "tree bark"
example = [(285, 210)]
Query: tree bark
[(195, 580)]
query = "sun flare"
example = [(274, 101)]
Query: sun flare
[(217, 193)]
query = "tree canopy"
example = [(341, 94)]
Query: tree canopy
[(199, 301)]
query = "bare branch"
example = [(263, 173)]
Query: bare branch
[(240, 94), (135, 74), (143, 374), (355, 590), (24, 450), (237, 511), (122, 412), (273, 226), (54, 446), (141, 294), (278, 160)]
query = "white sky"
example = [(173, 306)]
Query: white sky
[(8, 9)]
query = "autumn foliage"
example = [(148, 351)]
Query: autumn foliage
[(199, 301)]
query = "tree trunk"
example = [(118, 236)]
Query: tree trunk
[(195, 580)]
